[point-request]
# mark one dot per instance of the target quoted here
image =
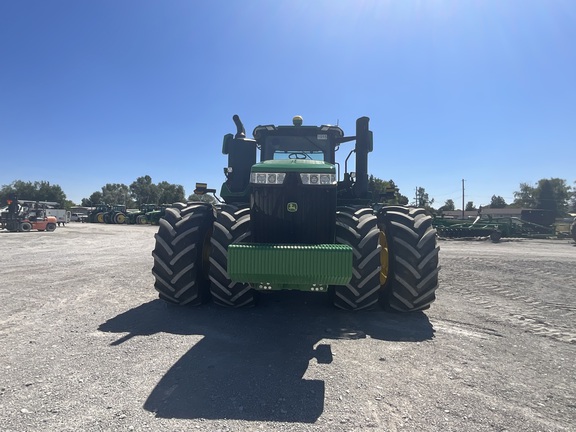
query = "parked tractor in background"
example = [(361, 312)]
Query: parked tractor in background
[(288, 222), (26, 216), (96, 215), (153, 217), (573, 230), (116, 215), (139, 216)]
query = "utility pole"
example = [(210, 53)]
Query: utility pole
[(462, 198)]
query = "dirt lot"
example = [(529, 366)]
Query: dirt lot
[(86, 345)]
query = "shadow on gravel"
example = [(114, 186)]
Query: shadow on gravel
[(250, 363)]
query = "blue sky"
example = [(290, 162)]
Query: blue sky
[(96, 92)]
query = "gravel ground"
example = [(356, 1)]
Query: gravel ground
[(86, 345)]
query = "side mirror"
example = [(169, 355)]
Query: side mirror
[(226, 143)]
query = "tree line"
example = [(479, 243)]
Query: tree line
[(552, 194), (140, 191)]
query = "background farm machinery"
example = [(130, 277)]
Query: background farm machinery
[(23, 216), (139, 217), (119, 214), (493, 227)]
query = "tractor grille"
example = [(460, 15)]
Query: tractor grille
[(293, 213)]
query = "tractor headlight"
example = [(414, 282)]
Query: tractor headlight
[(267, 178), (318, 179)]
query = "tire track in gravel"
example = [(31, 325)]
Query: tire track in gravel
[(513, 297)]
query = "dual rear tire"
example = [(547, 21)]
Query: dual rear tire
[(412, 258), (191, 255), (395, 258), (180, 261)]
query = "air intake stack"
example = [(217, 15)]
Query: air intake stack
[(363, 147)]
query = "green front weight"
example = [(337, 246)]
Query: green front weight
[(303, 267)]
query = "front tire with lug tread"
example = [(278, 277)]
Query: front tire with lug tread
[(232, 225), (181, 254), (358, 228)]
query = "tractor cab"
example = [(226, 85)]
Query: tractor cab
[(310, 149), (298, 142)]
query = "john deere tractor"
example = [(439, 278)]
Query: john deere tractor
[(97, 215), (289, 222)]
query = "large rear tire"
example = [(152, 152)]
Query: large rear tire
[(181, 254), (412, 258), (119, 218), (358, 228), (232, 225)]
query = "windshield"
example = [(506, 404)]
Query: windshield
[(315, 147), (298, 154)]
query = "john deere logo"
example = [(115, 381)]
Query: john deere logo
[(292, 207)]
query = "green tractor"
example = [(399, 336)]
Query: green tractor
[(116, 215), (97, 214), (288, 222), (153, 216), (138, 217)]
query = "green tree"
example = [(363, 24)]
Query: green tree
[(35, 191), (525, 197), (422, 199), (448, 205), (143, 191), (385, 191), (497, 202), (470, 206), (545, 197), (554, 194), (117, 193), (170, 193), (572, 206), (92, 200)]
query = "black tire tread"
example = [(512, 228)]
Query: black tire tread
[(232, 225), (358, 228), (413, 257), (178, 266)]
